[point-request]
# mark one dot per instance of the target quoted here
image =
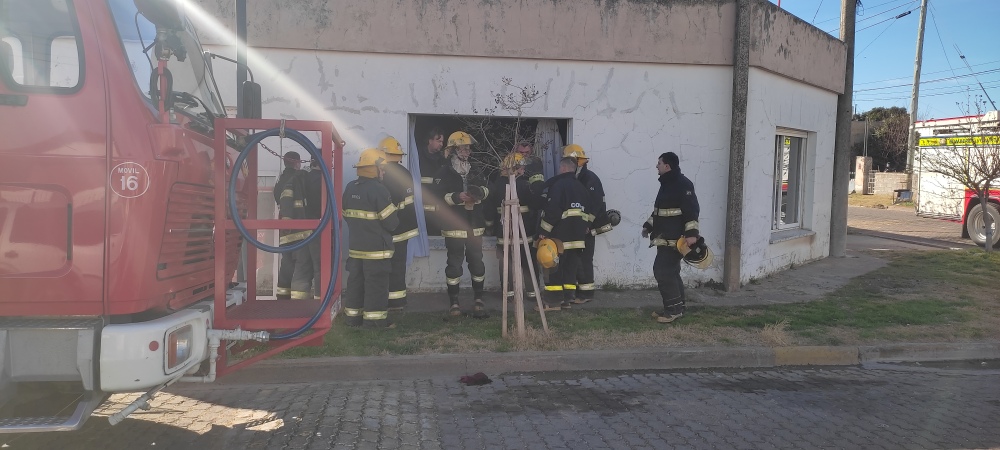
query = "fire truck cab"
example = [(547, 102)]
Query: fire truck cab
[(112, 175)]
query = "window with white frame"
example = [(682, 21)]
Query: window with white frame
[(789, 167)]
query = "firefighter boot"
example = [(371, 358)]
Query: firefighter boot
[(455, 310)]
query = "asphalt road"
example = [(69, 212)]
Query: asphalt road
[(887, 407)]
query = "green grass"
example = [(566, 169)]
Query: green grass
[(944, 293)]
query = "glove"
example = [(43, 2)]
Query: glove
[(645, 233)]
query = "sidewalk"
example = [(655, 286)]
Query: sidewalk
[(801, 284)]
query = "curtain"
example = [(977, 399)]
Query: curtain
[(550, 145), (418, 245)]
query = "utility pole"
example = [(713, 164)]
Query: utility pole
[(910, 138), (842, 137)]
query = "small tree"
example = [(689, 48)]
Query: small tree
[(972, 160), (497, 136), (887, 136)]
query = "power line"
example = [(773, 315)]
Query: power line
[(817, 11), (876, 14), (873, 40), (931, 81), (925, 73), (936, 30)]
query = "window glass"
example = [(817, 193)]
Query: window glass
[(788, 167), (40, 43)]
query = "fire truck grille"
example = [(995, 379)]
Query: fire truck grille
[(188, 245)]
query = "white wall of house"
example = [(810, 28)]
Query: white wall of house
[(778, 102), (624, 114)]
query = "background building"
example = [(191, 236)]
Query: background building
[(627, 80)]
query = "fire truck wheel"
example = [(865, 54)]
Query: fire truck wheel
[(975, 223)]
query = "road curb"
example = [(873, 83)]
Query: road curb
[(455, 365), (935, 243)]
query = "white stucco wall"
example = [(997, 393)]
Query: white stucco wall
[(624, 114), (778, 102)]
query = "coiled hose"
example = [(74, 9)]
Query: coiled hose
[(328, 214)]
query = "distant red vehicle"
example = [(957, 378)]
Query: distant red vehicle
[(117, 250)]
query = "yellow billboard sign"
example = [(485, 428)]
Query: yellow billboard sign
[(959, 141)]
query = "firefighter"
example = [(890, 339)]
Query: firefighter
[(431, 159), (462, 221), (305, 279), (565, 218), (514, 164), (290, 206), (371, 219), (675, 216), (599, 222), (532, 165), (399, 183)]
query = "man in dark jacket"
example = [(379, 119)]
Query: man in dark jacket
[(399, 182), (599, 222), (462, 221), (288, 195), (431, 161), (371, 219), (675, 216), (514, 164), (565, 218), (306, 278)]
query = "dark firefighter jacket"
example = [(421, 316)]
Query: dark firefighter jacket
[(598, 207), (289, 192), (533, 175), (371, 218), (430, 165), (566, 216), (458, 219), (314, 194), (399, 183), (675, 212), (529, 203)]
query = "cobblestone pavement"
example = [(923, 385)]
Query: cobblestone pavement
[(904, 221), (845, 407)]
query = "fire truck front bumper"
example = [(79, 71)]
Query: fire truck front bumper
[(138, 356)]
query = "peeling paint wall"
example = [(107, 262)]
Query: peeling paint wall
[(627, 101), (625, 115), (776, 102), (647, 31), (785, 44)]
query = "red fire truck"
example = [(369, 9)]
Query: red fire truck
[(945, 198), (124, 212)]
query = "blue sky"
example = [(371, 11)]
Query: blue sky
[(886, 48)]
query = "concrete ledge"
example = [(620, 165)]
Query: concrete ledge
[(929, 352), (455, 365), (816, 356)]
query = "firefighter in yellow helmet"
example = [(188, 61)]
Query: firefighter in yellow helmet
[(528, 202), (462, 220), (675, 216), (289, 194), (371, 218), (600, 223), (399, 182), (566, 218)]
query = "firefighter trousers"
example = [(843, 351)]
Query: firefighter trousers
[(561, 287), (585, 275), (397, 279), (286, 268), (367, 293), (471, 250), (305, 279), (529, 288), (667, 271)]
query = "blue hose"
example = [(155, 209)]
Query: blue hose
[(328, 214)]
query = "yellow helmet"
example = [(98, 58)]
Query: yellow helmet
[(460, 138), (698, 256), (548, 252), (391, 146), (371, 157), (575, 151), (513, 160)]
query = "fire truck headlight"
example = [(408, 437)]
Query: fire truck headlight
[(178, 348)]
